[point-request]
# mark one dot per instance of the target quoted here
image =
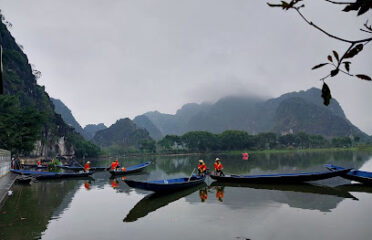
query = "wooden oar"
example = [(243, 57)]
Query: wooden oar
[(191, 175)]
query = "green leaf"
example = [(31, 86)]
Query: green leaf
[(330, 58), (354, 51), (326, 94), (347, 66), (334, 72), (363, 77), (336, 56), (319, 66)]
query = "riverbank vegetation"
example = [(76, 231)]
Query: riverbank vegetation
[(234, 141)]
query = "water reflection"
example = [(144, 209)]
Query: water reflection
[(45, 209), (153, 202)]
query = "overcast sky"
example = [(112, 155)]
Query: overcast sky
[(109, 59)]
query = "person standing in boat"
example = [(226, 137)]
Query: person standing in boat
[(202, 168), (38, 163), (87, 166), (218, 168)]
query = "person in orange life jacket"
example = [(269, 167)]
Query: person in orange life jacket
[(202, 168), (39, 163), (218, 167), (115, 165), (219, 193), (87, 166), (203, 194)]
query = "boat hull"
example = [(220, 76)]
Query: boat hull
[(170, 185), (51, 175), (129, 170), (281, 178)]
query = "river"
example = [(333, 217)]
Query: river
[(104, 208)]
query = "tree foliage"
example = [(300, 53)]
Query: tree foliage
[(339, 63), (20, 127)]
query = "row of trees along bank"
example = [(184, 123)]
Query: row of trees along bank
[(203, 141)]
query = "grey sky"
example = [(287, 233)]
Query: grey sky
[(109, 59)]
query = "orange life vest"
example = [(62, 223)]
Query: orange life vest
[(114, 165), (202, 167), (218, 166), (39, 163), (87, 167)]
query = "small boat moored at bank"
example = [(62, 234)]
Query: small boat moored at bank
[(282, 177), (354, 175), (167, 185), (131, 169), (51, 175)]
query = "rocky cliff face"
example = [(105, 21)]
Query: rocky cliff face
[(20, 79), (301, 111)]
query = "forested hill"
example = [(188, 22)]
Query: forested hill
[(123, 133), (91, 129), (292, 112), (67, 116), (31, 110)]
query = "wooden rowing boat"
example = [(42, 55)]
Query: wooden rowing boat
[(167, 185), (131, 169), (282, 177), (354, 175), (51, 175)]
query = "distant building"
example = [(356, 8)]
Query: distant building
[(290, 131)]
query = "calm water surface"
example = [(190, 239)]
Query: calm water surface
[(104, 208)]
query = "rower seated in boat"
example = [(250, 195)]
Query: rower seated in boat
[(38, 163), (218, 168), (202, 168), (87, 166), (115, 165)]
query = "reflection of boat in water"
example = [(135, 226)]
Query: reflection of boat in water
[(303, 196), (300, 188), (281, 177), (361, 188), (153, 202)]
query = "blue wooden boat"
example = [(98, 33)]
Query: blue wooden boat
[(354, 175), (79, 168), (51, 175), (282, 177), (131, 169), (167, 185)]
